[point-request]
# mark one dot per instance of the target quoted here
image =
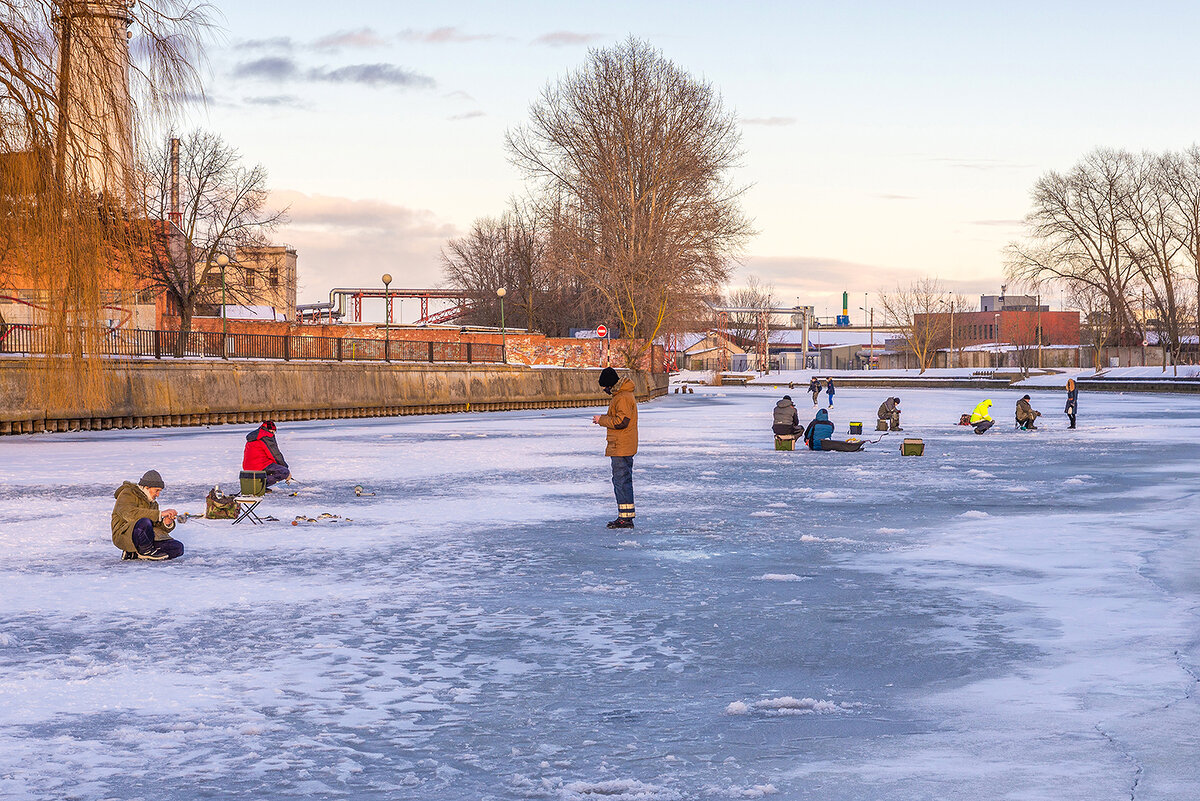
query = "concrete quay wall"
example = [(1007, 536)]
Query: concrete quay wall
[(148, 393)]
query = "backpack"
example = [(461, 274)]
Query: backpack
[(220, 507)]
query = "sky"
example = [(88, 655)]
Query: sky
[(884, 142)]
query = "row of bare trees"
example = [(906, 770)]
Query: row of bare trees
[(1120, 232), (631, 217)]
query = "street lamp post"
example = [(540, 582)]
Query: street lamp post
[(996, 319), (223, 262), (500, 293), (949, 304), (871, 351), (387, 318)]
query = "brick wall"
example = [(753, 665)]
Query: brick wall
[(523, 348)]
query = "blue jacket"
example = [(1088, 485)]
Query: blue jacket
[(817, 430)]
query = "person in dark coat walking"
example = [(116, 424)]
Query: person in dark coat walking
[(786, 420), (262, 454), (1072, 401), (622, 441), (829, 391), (819, 429), (814, 389), (139, 529)]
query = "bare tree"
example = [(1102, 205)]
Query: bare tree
[(633, 155), (513, 251), (1181, 176), (745, 328), (1080, 233), (224, 206), (919, 312)]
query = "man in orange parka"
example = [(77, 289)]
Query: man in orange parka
[(621, 422)]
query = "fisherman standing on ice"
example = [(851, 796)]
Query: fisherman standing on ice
[(621, 422), (1072, 401), (814, 389)]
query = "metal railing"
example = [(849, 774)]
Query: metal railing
[(134, 343)]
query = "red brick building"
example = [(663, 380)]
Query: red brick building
[(1013, 328)]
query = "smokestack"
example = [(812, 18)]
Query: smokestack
[(176, 216)]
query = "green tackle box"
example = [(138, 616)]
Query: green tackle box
[(912, 447), (785, 443)]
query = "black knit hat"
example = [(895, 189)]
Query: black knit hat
[(609, 377), (787, 397), (1026, 397), (152, 479)]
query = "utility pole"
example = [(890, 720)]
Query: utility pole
[(1039, 329)]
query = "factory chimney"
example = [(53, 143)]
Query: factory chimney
[(94, 145), (175, 215)]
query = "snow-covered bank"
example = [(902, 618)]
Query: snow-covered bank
[(1012, 615)]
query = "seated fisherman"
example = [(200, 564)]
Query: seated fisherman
[(889, 411), (980, 417), (138, 528), (262, 454), (819, 429), (1026, 414), (786, 420)]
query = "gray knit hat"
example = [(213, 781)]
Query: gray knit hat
[(152, 479)]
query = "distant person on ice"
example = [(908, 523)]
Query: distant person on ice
[(889, 411), (1026, 414), (814, 389), (819, 429), (786, 418), (139, 529), (621, 422), (262, 454), (1072, 401), (981, 419), (829, 391)]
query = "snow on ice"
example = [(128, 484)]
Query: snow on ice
[(1012, 615)]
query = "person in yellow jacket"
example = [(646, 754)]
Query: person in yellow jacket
[(621, 422), (980, 417)]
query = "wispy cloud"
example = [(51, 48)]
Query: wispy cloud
[(458, 95), (888, 196), (565, 38), (443, 36), (283, 68), (273, 68), (373, 75), (271, 43), (361, 38), (275, 101), (771, 122), (469, 115)]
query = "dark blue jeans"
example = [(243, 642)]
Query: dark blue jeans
[(622, 469), (276, 473), (143, 539)]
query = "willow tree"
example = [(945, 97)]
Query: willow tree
[(633, 156), (78, 80)]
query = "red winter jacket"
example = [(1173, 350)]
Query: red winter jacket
[(261, 450)]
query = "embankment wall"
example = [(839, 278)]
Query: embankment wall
[(146, 393)]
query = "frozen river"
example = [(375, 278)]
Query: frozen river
[(1012, 616)]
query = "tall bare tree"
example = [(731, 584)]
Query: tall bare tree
[(224, 206), (634, 156), (919, 312), (1079, 233)]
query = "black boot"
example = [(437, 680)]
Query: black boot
[(620, 522)]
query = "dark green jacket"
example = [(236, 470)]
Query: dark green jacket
[(131, 506)]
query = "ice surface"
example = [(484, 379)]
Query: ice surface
[(1011, 615)]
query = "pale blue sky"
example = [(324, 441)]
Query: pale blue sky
[(883, 141)]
